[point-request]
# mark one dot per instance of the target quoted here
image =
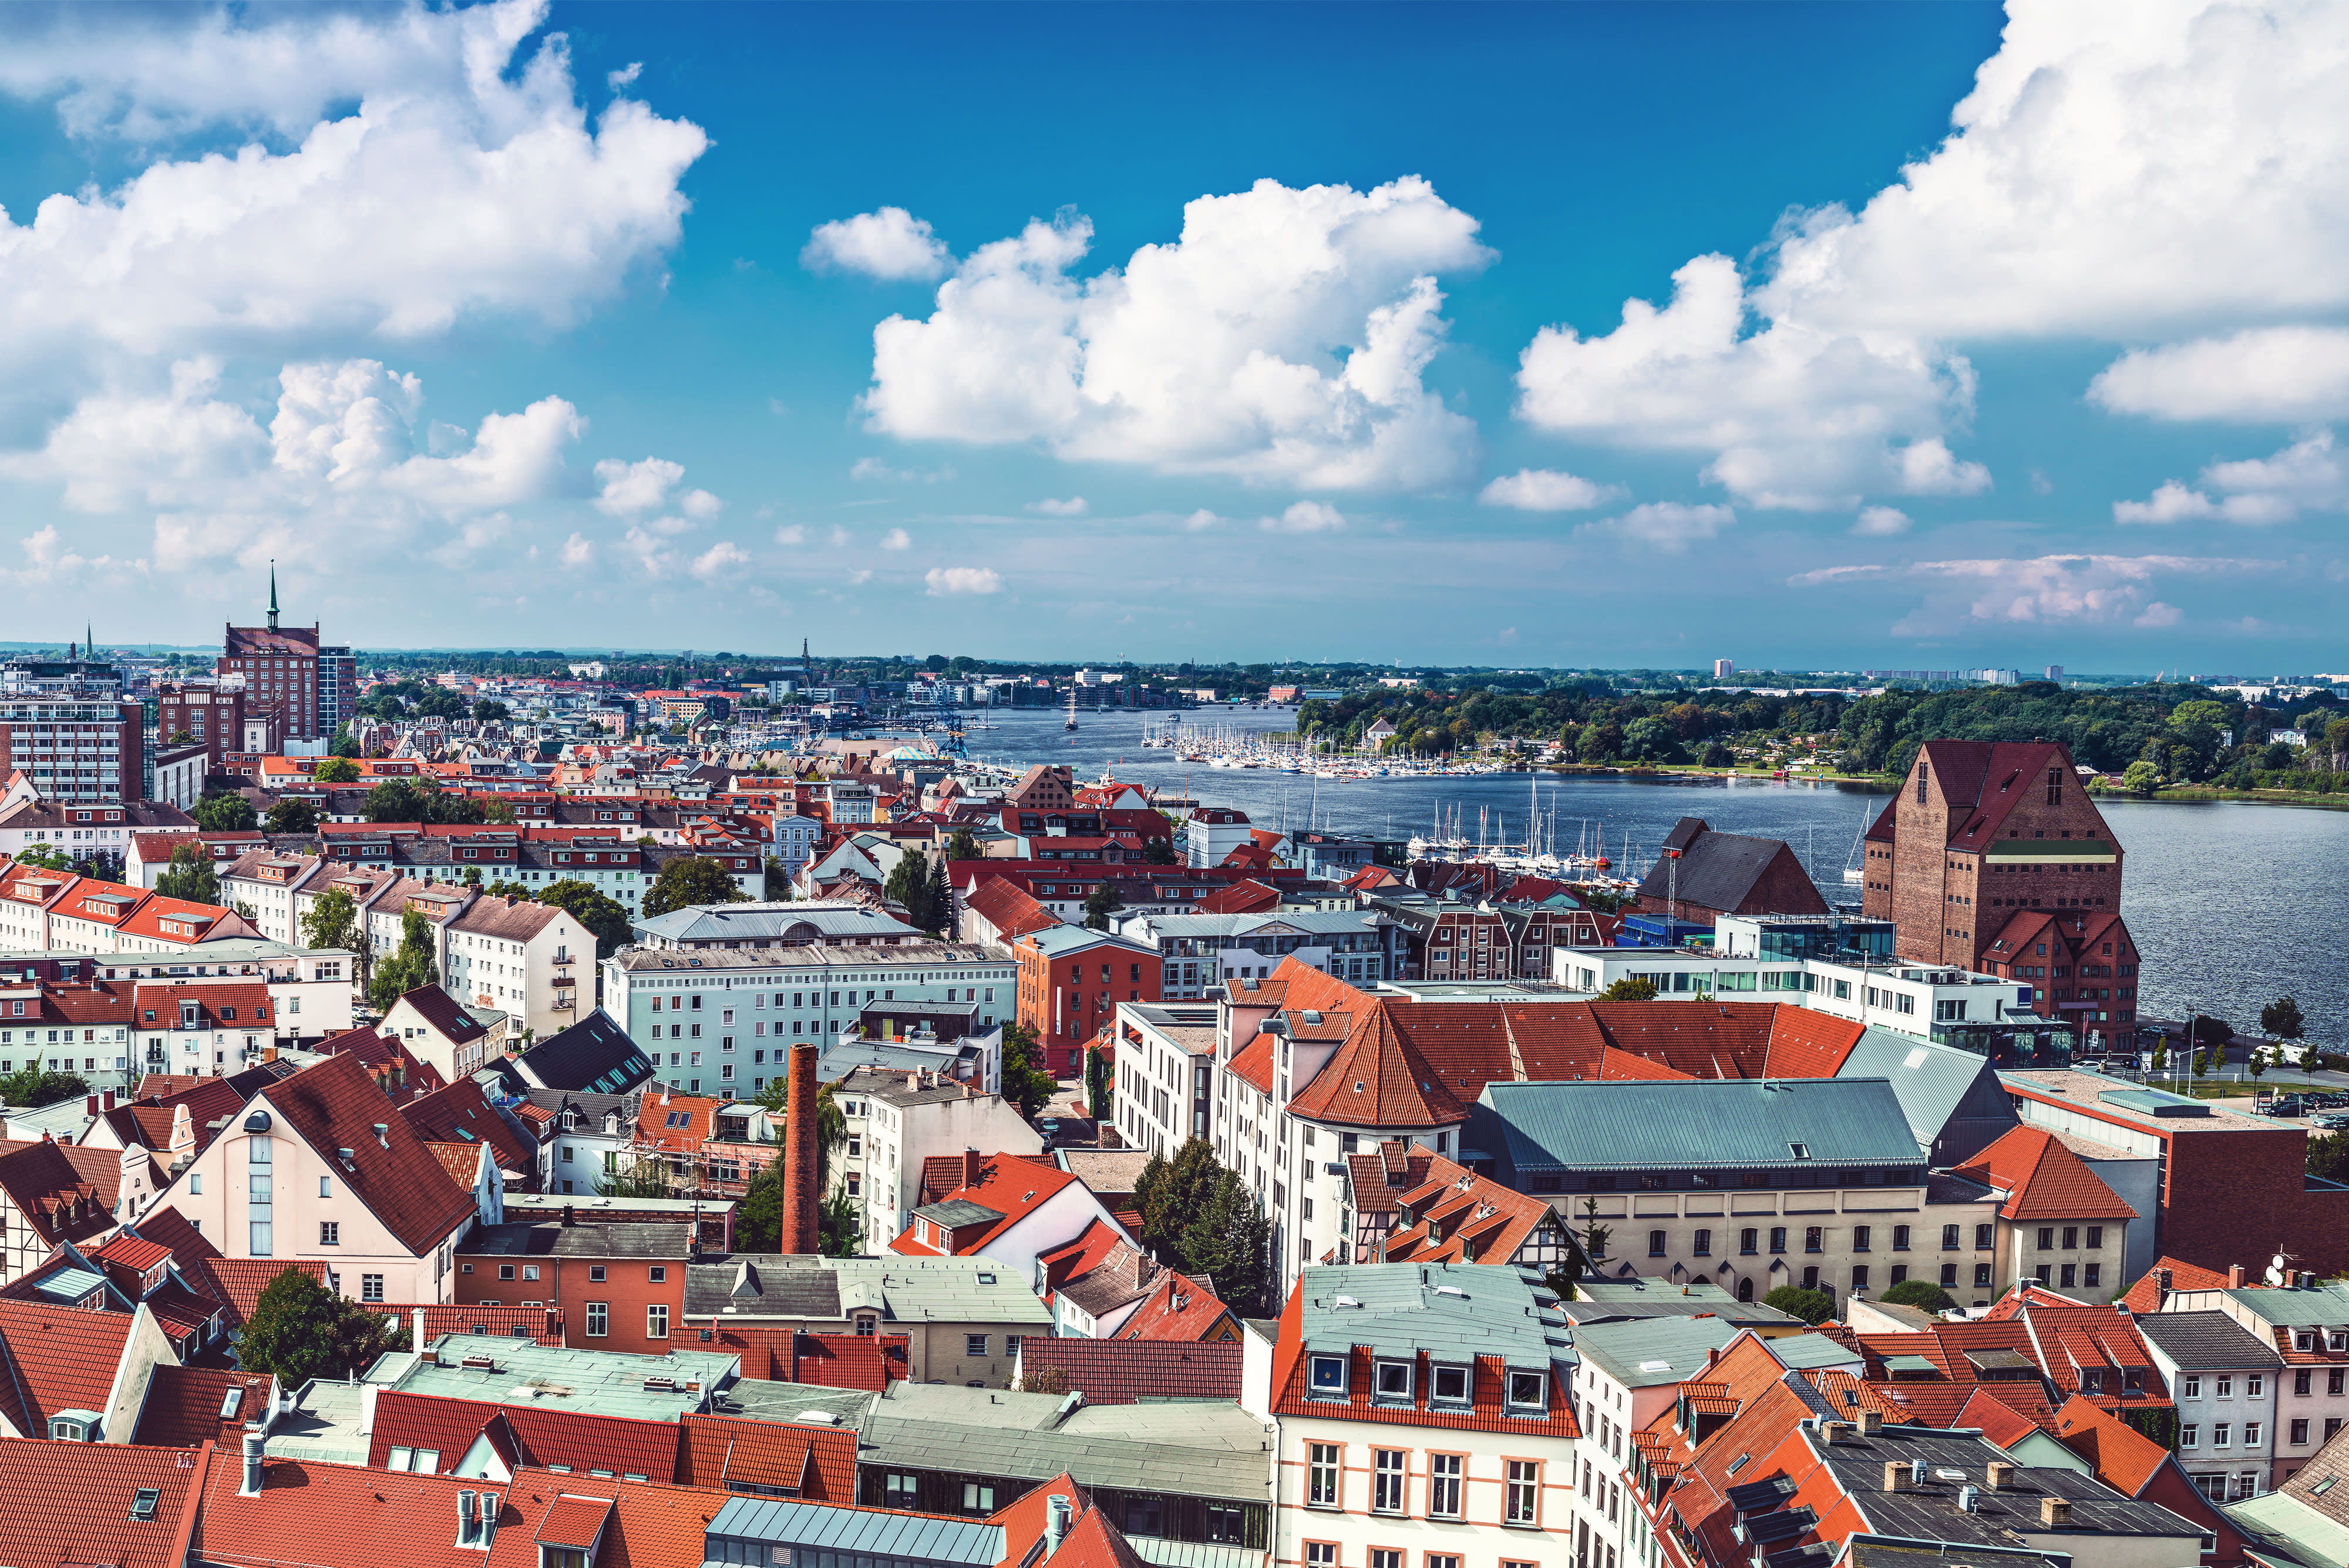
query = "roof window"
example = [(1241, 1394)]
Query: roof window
[(1329, 1375)]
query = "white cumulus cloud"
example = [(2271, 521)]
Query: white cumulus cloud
[(578, 550), (468, 179), (1280, 340), (1880, 522), (2123, 173), (1541, 490), (1305, 517), (720, 561), (1075, 506), (891, 244), (2307, 475), (1670, 525), (897, 539), (2270, 373), (946, 581), (1955, 596)]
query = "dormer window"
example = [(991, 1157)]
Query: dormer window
[(1528, 1391), (1451, 1385), (1393, 1379), (1328, 1377)]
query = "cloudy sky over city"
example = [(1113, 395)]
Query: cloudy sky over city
[(1823, 336)]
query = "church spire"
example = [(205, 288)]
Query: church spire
[(272, 594)]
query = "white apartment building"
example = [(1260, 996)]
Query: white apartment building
[(722, 1020), (898, 1123), (1163, 1090), (1199, 953), (2225, 1380), (2307, 1323), (1424, 1421)]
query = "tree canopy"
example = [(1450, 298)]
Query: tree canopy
[(190, 876), (225, 811), (1025, 1083), (410, 965), (336, 769), (1811, 1306), (603, 916), (300, 1330), (689, 880), (1922, 1293), (32, 1086), (291, 813)]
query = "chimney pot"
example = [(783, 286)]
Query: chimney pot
[(1896, 1476), (89, 1105), (2056, 1513), (252, 1487), (1870, 1422), (1998, 1476), (2235, 1276)]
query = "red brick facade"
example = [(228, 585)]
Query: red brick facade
[(626, 1292), (1071, 995)]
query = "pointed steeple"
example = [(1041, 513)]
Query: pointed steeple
[(272, 593)]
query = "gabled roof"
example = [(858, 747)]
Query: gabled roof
[(2126, 1459), (593, 1055), (53, 1359), (463, 1114), (447, 1017), (2043, 1180), (2147, 1294), (1981, 782), (52, 1195), (1009, 1188), (1004, 905), (64, 1503), (336, 1106), (730, 1453), (1179, 1310), (539, 1435), (1714, 870), (1092, 1540), (187, 1407)]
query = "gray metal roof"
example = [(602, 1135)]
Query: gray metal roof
[(910, 1536), (954, 1213), (1215, 1450), (1695, 1124), (1451, 1311), (1935, 1085), (2327, 1306), (1930, 1512), (1653, 1350), (2212, 1340), (808, 920), (1306, 922), (592, 1239), (1811, 1352), (1628, 1300)]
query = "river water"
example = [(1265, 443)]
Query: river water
[(2232, 904)]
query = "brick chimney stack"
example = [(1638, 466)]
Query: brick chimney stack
[(801, 1198)]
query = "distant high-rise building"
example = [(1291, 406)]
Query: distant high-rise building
[(65, 725), (280, 666), (1722, 669), (2056, 673)]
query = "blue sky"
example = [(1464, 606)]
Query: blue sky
[(1202, 331)]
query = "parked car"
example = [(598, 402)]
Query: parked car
[(2330, 1120), (2284, 1106)]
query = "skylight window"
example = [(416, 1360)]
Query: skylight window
[(1329, 1375)]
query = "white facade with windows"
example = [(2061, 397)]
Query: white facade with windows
[(721, 1020), (1199, 953), (1164, 1086)]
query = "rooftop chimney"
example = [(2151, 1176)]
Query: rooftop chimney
[(89, 1105), (1057, 1513), (1896, 1476), (2235, 1277), (252, 1487), (418, 1344), (1998, 1476), (974, 1165), (1870, 1422), (2056, 1513), (800, 1196), (570, 1215)]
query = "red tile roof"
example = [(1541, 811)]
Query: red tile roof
[(336, 1106), (53, 1358), (540, 1436), (1487, 1412), (1252, 1062), (235, 1283), (1004, 905), (1453, 1214), (64, 1503), (727, 1453), (1013, 1185), (2043, 1180), (646, 1526), (462, 1113), (1121, 1371), (184, 1405), (1245, 897), (1180, 1309), (341, 1516), (2146, 1294), (1091, 1542), (57, 1202), (1071, 1259)]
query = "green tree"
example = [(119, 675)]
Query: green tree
[(225, 811), (2201, 1063), (300, 1330), (440, 703), (689, 880), (1172, 1194), (941, 899), (1101, 904), (840, 1226), (909, 885), (1811, 1306), (778, 881), (1594, 1237), (1631, 988), (1922, 1293), (759, 1222), (498, 810), (1097, 1083), (486, 711), (1026, 1085), (1229, 1244), (190, 876), (2259, 1063), (33, 1087), (409, 966), (332, 920), (46, 858), (337, 770), (2328, 1157), (292, 814), (397, 800), (345, 746), (962, 844), (605, 919), (2283, 1019), (2140, 777)]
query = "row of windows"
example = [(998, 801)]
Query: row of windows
[(2303, 1383), (1712, 1181), (1391, 1485), (1528, 1391)]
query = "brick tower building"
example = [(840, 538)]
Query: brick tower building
[(280, 666), (1994, 858)]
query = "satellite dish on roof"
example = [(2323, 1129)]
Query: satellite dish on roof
[(2274, 1275)]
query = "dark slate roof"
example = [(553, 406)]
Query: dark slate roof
[(756, 1287), (595, 1055), (1716, 870), (2211, 1340), (445, 1014), (594, 1238), (954, 1213), (1694, 1124)]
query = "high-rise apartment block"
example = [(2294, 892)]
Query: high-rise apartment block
[(65, 725)]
